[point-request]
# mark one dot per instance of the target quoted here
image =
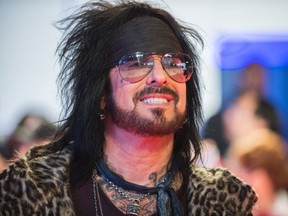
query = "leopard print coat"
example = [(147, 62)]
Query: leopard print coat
[(38, 184)]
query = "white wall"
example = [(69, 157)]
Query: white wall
[(28, 64)]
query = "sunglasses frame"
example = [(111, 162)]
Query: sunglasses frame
[(137, 55)]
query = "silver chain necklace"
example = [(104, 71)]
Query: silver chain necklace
[(96, 194), (133, 208)]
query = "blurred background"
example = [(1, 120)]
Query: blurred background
[(244, 76), (28, 39)]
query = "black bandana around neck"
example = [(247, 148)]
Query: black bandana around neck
[(167, 200), (143, 34)]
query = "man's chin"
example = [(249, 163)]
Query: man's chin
[(155, 128)]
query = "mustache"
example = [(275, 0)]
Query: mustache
[(161, 90)]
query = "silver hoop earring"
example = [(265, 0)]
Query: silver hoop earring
[(102, 116)]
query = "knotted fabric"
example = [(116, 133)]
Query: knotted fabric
[(167, 200)]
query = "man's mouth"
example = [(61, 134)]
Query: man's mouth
[(156, 96), (155, 100)]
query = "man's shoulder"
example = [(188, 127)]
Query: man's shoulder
[(49, 153), (217, 190), (36, 183), (211, 175), (40, 163)]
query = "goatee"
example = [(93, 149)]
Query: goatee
[(132, 121)]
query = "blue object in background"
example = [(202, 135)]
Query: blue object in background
[(236, 52)]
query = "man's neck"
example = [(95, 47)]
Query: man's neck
[(138, 159)]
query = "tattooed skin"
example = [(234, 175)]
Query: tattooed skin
[(153, 177), (148, 204)]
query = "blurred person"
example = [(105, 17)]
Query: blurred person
[(31, 130), (260, 159), (247, 113), (251, 83), (44, 133), (253, 79), (3, 163), (2, 159), (130, 138)]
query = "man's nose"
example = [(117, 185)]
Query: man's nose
[(157, 75)]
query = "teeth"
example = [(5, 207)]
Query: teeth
[(155, 100)]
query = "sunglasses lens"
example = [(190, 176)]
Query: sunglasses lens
[(135, 67), (178, 66)]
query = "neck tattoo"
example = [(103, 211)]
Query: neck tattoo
[(133, 208)]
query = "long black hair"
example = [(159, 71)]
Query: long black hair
[(84, 78)]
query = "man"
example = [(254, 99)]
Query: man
[(130, 134)]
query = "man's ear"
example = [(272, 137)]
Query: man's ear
[(103, 103), (101, 114)]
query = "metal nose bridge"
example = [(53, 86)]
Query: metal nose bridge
[(156, 68), (157, 58)]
